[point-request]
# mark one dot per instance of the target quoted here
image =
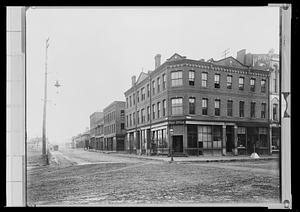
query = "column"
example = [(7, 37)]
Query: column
[(185, 135), (224, 140), (127, 142), (270, 140), (235, 140)]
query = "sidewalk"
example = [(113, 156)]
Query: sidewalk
[(193, 159)]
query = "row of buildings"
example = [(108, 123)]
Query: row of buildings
[(194, 107)]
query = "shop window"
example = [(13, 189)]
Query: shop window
[(241, 137), (205, 137)]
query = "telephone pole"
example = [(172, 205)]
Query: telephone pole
[(44, 153), (226, 52)]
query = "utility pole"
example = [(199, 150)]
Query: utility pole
[(226, 52), (44, 153)]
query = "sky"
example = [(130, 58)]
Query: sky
[(94, 51)]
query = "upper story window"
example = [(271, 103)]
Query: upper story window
[(148, 90), (138, 96), (138, 117), (192, 105), (204, 79), (176, 104), (158, 109), (252, 110), (229, 81), (130, 101), (263, 85), (176, 77), (252, 84), (153, 111), (242, 104), (217, 80), (127, 121), (133, 99), (122, 126), (126, 102), (164, 81), (164, 107), (158, 84), (204, 106), (229, 107), (122, 113), (217, 107), (275, 113), (153, 87), (130, 120), (191, 77), (263, 110), (148, 113), (133, 118), (143, 93), (241, 83), (143, 115), (275, 83)]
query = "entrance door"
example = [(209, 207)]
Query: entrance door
[(178, 143), (229, 139)]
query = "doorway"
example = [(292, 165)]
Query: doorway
[(229, 139), (177, 143)]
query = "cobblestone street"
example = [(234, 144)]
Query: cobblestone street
[(91, 178)]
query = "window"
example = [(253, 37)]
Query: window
[(204, 106), (204, 79), (153, 87), (130, 101), (134, 99), (229, 107), (191, 77), (275, 84), (176, 77), (263, 85), (138, 96), (192, 101), (130, 120), (143, 94), (126, 102), (148, 113), (263, 110), (164, 107), (217, 80), (217, 107), (242, 108), (241, 83), (252, 84), (229, 81), (127, 121), (252, 110), (153, 111), (122, 126), (158, 84), (138, 117), (143, 115), (275, 108), (158, 109), (241, 131), (133, 117), (164, 81), (148, 90), (177, 106)]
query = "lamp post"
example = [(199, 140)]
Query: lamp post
[(44, 154), (171, 137)]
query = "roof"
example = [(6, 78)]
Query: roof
[(230, 62)]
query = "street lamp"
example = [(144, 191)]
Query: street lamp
[(171, 137)]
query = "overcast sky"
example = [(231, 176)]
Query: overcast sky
[(94, 52)]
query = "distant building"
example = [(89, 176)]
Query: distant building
[(114, 126), (192, 107), (96, 126), (81, 140)]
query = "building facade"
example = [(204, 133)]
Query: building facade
[(192, 107), (96, 130), (114, 126), (270, 63), (82, 140)]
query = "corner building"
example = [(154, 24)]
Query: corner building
[(192, 107)]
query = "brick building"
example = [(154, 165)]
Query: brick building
[(81, 140), (192, 107), (270, 63), (114, 126), (96, 130)]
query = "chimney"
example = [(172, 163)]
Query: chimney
[(240, 56), (157, 60), (133, 79)]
